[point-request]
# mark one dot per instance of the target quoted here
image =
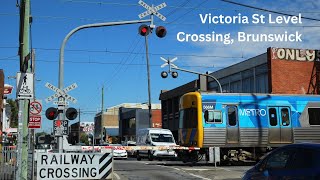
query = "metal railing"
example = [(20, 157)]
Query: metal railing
[(8, 162)]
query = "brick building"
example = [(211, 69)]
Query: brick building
[(133, 119), (108, 124), (278, 71)]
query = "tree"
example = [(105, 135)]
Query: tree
[(84, 138), (14, 113)]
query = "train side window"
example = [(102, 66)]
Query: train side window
[(314, 116), (213, 116), (232, 118), (285, 117), (273, 117)]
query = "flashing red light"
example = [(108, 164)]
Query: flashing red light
[(144, 30)]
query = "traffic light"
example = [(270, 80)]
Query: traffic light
[(71, 113), (161, 31), (52, 113), (174, 74), (144, 30), (164, 74)]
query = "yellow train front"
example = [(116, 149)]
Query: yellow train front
[(243, 127)]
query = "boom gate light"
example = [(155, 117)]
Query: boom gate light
[(161, 31), (71, 113), (52, 113), (144, 30)]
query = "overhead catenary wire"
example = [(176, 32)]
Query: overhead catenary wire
[(267, 10), (170, 6), (128, 52)]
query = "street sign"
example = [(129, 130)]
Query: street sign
[(35, 114), (74, 166), (24, 86), (88, 128), (35, 107), (60, 127), (65, 103), (34, 122), (61, 93), (152, 10)]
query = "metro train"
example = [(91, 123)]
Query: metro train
[(245, 126)]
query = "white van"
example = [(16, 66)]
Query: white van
[(155, 137)]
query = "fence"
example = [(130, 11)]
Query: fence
[(8, 164)]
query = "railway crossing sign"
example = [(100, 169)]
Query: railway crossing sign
[(35, 114), (152, 10), (63, 93), (25, 86), (74, 166), (168, 62)]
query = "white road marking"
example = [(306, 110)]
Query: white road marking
[(193, 169), (116, 175), (224, 169), (198, 176)]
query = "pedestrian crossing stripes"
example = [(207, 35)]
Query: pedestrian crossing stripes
[(106, 166)]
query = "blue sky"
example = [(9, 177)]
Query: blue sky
[(114, 57)]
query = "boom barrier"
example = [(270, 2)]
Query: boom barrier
[(131, 148)]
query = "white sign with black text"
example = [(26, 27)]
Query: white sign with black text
[(25, 86), (74, 166)]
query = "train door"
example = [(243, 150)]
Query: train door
[(280, 128), (232, 124)]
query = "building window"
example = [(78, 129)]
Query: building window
[(247, 85), (262, 83), (132, 123), (314, 116), (235, 87)]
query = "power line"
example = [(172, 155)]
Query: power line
[(129, 52), (267, 10), (173, 23), (130, 64), (173, 7), (188, 12)]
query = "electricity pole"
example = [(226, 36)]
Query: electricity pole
[(148, 75), (24, 52)]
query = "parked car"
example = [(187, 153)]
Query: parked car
[(295, 161), (118, 151)]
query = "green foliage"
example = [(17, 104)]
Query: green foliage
[(84, 138), (14, 113), (40, 133)]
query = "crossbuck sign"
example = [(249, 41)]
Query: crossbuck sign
[(62, 93), (152, 10)]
